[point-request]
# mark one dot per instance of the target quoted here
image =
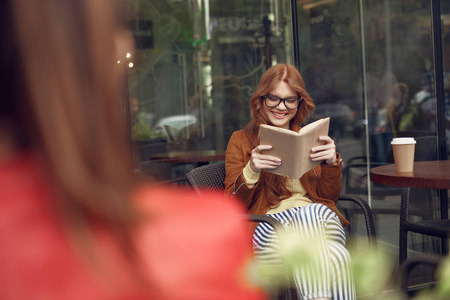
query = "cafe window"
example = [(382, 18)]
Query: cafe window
[(369, 66), (194, 69)]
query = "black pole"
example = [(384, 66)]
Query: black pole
[(267, 47), (295, 41), (440, 103), (439, 78)]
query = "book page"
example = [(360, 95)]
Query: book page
[(314, 126), (293, 149), (281, 130)]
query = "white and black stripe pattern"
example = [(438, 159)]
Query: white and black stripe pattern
[(330, 276)]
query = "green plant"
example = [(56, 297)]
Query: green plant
[(142, 131)]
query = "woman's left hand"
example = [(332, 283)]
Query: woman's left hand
[(325, 152)]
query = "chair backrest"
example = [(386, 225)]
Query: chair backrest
[(211, 177), (355, 179), (208, 177)]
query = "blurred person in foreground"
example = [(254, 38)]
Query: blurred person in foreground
[(74, 224)]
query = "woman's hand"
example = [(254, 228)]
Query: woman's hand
[(325, 152), (260, 161)]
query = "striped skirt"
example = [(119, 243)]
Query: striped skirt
[(327, 276)]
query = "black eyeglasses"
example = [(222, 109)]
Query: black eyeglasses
[(290, 102)]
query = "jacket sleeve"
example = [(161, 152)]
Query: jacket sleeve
[(329, 181), (236, 158), (323, 183)]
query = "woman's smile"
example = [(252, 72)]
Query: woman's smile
[(279, 115)]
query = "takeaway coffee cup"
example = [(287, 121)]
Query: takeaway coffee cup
[(403, 149)]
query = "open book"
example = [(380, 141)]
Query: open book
[(293, 148)]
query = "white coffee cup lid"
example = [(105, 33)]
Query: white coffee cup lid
[(403, 141)]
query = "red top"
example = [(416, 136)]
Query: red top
[(191, 247)]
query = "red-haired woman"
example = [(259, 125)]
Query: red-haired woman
[(305, 206)]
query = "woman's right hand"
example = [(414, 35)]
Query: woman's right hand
[(259, 161)]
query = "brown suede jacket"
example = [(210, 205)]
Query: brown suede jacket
[(323, 183)]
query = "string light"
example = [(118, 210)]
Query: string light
[(128, 56)]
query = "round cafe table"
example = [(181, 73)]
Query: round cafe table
[(426, 174), (199, 157)]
